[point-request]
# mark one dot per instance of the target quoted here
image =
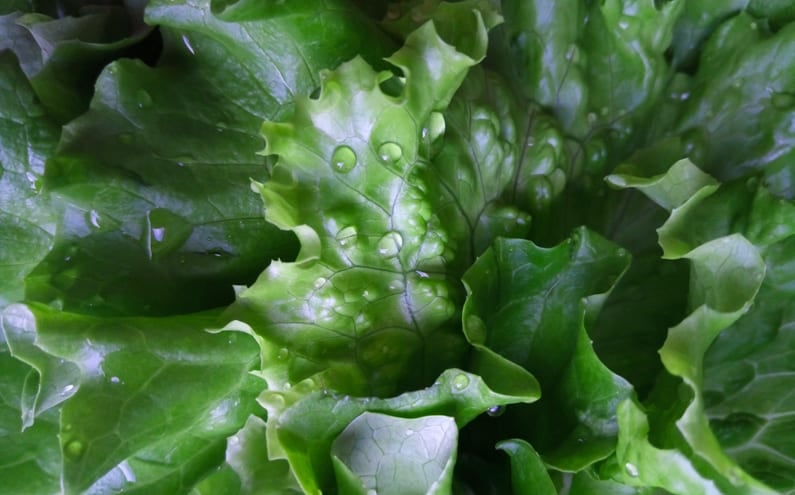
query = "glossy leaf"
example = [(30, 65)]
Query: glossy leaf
[(377, 305), (170, 393), (27, 138), (397, 456)]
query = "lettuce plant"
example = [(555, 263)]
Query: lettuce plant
[(420, 247)]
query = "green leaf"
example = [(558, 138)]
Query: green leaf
[(157, 172), (30, 460), (528, 474), (27, 138), (530, 306), (63, 56), (377, 306), (599, 66), (748, 370), (727, 271), (474, 166), (738, 111), (155, 428), (397, 456), (247, 470), (306, 428)]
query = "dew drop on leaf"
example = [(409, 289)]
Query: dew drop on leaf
[(143, 99), (186, 42), (390, 152), (343, 159), (389, 246), (346, 236), (396, 285), (435, 126), (94, 219), (319, 282), (632, 470), (165, 232), (33, 180), (495, 411), (284, 353), (460, 382), (74, 450)]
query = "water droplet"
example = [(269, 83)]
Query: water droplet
[(186, 42), (539, 191), (422, 274), (143, 99), (34, 181), (343, 159), (396, 285), (67, 389), (495, 411), (632, 469), (623, 24), (320, 282), (284, 353), (74, 450), (435, 126), (460, 382), (572, 53), (94, 218), (409, 432), (115, 379), (165, 232), (346, 237), (390, 152), (389, 246)]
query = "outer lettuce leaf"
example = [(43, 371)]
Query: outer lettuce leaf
[(157, 172), (727, 272), (155, 432), (305, 431), (27, 138), (30, 459), (531, 305), (63, 56), (376, 305)]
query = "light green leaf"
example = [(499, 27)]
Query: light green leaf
[(376, 304), (397, 456)]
